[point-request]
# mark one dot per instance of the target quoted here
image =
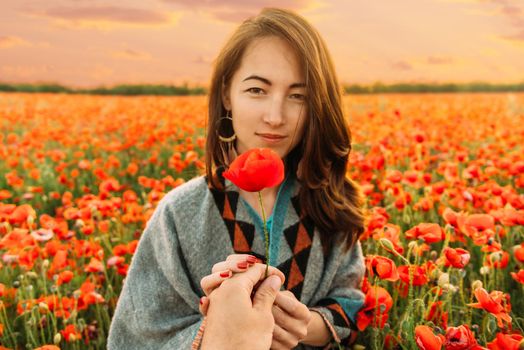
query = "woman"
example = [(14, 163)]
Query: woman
[(273, 86)]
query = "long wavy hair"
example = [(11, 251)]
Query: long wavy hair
[(327, 196)]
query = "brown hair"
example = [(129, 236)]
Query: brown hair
[(327, 196)]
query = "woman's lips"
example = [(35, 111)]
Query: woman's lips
[(271, 138)]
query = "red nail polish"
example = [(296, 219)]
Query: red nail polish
[(242, 265), (224, 274), (251, 259), (201, 300)]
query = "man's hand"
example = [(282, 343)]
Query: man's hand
[(233, 320)]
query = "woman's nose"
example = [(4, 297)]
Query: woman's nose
[(275, 114)]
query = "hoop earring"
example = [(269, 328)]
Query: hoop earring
[(222, 138)]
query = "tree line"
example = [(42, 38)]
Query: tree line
[(185, 90)]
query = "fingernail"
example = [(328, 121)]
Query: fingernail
[(225, 274), (251, 259), (201, 300), (242, 265), (274, 283), (259, 261)]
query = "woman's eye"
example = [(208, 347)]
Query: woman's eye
[(298, 97), (256, 91)]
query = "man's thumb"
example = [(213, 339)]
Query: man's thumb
[(267, 292)]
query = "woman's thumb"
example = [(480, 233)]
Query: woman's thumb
[(267, 292)]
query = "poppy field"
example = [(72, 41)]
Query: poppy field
[(442, 176)]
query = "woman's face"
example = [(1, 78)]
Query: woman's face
[(267, 97)]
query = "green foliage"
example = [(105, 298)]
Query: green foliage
[(126, 90), (379, 88)]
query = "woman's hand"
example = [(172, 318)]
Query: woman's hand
[(225, 269), (291, 321)]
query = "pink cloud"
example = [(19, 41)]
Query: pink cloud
[(239, 10), (515, 37), (130, 54), (402, 65), (439, 60), (111, 14), (12, 41)]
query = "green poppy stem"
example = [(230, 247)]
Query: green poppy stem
[(266, 234)]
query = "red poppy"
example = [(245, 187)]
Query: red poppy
[(70, 333), (497, 260), (456, 257), (451, 217), (376, 306), (419, 275), (497, 303), (519, 276), (519, 252), (21, 215), (429, 232), (381, 266), (437, 315), (506, 342), (476, 223), (256, 169), (64, 277), (426, 340), (94, 265), (460, 338), (392, 233)]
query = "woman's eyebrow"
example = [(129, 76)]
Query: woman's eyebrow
[(267, 82)]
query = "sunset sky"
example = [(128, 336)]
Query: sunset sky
[(86, 43)]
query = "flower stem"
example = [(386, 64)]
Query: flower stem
[(266, 234)]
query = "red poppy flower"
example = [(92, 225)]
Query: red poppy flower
[(497, 260), (419, 275), (438, 316), (256, 169), (460, 338), (376, 305), (70, 333), (64, 277), (506, 342), (497, 303), (457, 257), (429, 232), (476, 223), (426, 340), (94, 265), (519, 276), (519, 253), (392, 233), (381, 266), (451, 217)]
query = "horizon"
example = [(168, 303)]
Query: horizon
[(171, 42)]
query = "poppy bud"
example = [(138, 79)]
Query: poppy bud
[(386, 244), (476, 284)]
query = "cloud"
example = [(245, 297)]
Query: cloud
[(402, 65), (25, 72), (129, 54), (239, 10), (513, 13), (203, 60), (101, 73), (439, 60), (12, 41), (516, 39), (104, 17)]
